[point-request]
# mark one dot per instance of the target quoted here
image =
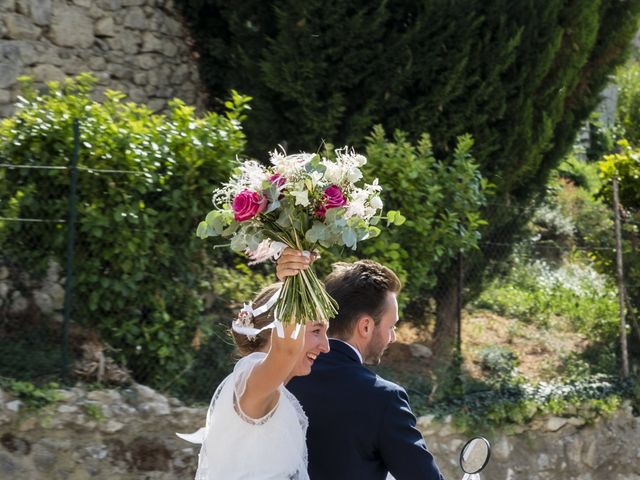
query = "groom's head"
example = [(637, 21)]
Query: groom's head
[(366, 293)]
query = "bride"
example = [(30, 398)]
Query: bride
[(255, 427)]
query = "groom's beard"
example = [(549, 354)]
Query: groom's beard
[(375, 349)]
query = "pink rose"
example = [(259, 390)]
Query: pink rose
[(331, 198), (277, 181), (247, 204)]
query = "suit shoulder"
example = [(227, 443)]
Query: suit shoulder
[(387, 387)]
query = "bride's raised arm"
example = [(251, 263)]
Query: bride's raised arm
[(261, 393)]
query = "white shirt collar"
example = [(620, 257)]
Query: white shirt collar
[(352, 348)]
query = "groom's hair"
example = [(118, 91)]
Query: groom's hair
[(360, 289)]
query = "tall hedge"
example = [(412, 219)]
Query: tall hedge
[(143, 182), (519, 76)]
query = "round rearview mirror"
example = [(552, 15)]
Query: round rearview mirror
[(475, 455)]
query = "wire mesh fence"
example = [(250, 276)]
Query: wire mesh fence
[(49, 332)]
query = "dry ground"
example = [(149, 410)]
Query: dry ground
[(539, 350)]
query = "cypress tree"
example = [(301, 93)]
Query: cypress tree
[(519, 76)]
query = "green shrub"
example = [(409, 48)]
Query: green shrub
[(536, 292), (144, 180), (499, 362)]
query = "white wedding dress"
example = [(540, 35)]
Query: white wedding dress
[(236, 447)]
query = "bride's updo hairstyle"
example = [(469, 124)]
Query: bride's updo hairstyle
[(246, 345)]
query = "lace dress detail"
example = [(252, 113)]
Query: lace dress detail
[(238, 447)]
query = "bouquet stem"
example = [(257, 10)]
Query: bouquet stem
[(304, 298)]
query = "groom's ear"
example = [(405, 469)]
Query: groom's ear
[(364, 326)]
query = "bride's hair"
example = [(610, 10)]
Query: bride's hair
[(246, 345)]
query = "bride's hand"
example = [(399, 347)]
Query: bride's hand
[(292, 262), (287, 345)]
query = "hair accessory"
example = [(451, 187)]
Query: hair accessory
[(244, 325)]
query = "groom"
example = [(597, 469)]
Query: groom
[(360, 425)]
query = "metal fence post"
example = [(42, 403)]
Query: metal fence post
[(71, 238), (619, 269)]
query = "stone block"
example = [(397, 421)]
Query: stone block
[(105, 27), (43, 458), (109, 4), (40, 11), (135, 18), (151, 43), (19, 27), (48, 73), (553, 424), (71, 27), (43, 301), (7, 6)]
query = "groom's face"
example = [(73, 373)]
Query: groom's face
[(384, 333)]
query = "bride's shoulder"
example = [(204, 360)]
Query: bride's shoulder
[(247, 362)]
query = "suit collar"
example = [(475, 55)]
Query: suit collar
[(346, 349)]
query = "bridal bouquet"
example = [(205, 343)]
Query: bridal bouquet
[(303, 201)]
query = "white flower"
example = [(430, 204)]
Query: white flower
[(376, 202), (354, 174), (316, 177), (290, 165), (333, 172), (355, 208), (266, 250), (302, 197)]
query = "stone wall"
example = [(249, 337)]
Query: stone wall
[(129, 434), (140, 47)]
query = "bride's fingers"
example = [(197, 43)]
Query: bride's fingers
[(291, 262)]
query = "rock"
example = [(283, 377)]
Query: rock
[(109, 4), (420, 351), (7, 6), (111, 426), (65, 395), (71, 27), (105, 396), (40, 11), (576, 421), (8, 467), (43, 301), (18, 303), (133, 3), (105, 27), (14, 405), (83, 3), (591, 455), (4, 286), (135, 19), (573, 449), (48, 73), (151, 43), (8, 74), (155, 408), (43, 458), (67, 409), (501, 448), (553, 424), (4, 273), (20, 28)]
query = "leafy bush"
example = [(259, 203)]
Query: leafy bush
[(143, 183), (519, 404), (441, 200), (499, 362), (33, 396)]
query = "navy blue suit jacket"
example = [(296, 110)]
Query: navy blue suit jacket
[(360, 425)]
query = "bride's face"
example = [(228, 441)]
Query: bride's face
[(315, 343)]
